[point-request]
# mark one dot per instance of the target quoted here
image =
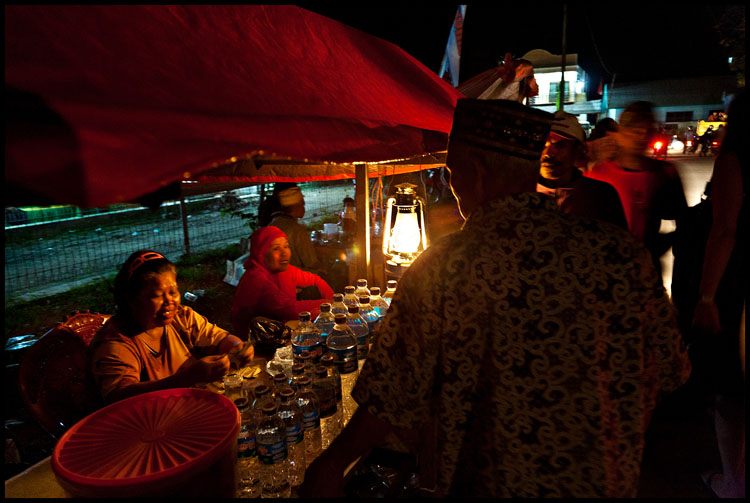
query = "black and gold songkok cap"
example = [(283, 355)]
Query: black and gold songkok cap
[(501, 126)]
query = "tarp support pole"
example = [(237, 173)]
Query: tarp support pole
[(362, 240), (183, 214)]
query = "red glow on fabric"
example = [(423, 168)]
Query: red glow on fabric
[(117, 101)]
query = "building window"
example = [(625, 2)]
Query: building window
[(679, 116)]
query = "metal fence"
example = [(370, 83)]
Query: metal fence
[(47, 247)]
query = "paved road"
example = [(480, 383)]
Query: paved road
[(694, 172)]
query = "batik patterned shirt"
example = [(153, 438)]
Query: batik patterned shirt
[(537, 345)]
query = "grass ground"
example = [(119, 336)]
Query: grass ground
[(203, 271)]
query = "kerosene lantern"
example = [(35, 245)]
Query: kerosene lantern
[(405, 235)]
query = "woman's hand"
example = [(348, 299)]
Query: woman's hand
[(244, 356), (240, 353), (207, 369)]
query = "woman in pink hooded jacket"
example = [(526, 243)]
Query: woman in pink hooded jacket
[(269, 285)]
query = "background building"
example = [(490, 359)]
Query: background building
[(678, 103)]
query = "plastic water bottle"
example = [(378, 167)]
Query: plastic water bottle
[(338, 306), (290, 413), (279, 380), (272, 454), (369, 315), (305, 358), (248, 481), (342, 345), (248, 387), (361, 331), (361, 288), (324, 387), (390, 290), (298, 370), (233, 386), (330, 365), (324, 322), (306, 337), (262, 396), (377, 302), (310, 405), (350, 298)]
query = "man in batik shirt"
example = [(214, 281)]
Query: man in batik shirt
[(525, 352)]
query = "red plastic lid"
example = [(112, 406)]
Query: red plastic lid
[(146, 441)]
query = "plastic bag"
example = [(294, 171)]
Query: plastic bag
[(266, 333)]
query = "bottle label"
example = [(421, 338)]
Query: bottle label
[(362, 346), (327, 396), (246, 443), (272, 454), (295, 434), (316, 350), (346, 359), (311, 420)]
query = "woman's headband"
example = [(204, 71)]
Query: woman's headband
[(141, 259)]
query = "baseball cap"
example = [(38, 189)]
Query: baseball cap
[(567, 126)]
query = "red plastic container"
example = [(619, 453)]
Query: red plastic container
[(177, 442)]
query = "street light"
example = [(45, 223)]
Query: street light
[(405, 234)]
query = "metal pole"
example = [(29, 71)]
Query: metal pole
[(183, 214), (562, 78), (362, 202)]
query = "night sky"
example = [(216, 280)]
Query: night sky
[(640, 41)]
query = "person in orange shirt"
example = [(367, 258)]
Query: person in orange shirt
[(153, 342)]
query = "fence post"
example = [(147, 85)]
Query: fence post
[(362, 204), (183, 214)]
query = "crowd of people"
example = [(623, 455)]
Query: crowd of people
[(522, 356)]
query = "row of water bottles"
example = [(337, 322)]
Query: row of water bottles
[(285, 427), (363, 308)]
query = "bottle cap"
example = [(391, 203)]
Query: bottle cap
[(375, 290), (304, 380), (269, 408), (339, 318), (298, 368), (348, 289), (354, 309), (304, 316), (392, 283), (241, 403), (321, 370), (325, 307), (364, 299), (338, 297), (261, 390), (286, 392), (361, 282), (280, 377)]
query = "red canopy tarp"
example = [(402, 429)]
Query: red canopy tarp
[(107, 103)]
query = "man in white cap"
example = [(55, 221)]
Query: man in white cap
[(561, 178), (523, 355), (292, 209)]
